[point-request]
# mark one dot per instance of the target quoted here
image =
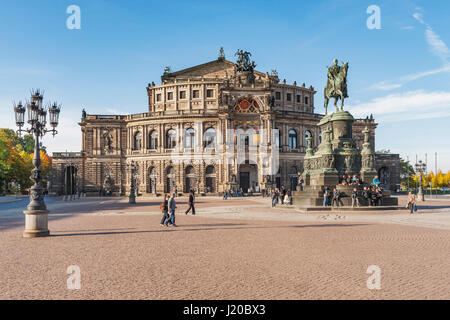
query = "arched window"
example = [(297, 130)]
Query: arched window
[(137, 140), (210, 138), (307, 134), (190, 170), (171, 139), (292, 139), (153, 140), (210, 179), (210, 170), (189, 141), (320, 138)]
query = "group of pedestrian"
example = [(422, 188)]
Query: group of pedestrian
[(334, 195), (373, 195), (169, 205), (232, 193), (281, 195)]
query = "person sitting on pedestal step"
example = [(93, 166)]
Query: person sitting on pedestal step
[(373, 196), (376, 182), (287, 199), (367, 195), (379, 196)]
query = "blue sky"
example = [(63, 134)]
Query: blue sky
[(400, 73)]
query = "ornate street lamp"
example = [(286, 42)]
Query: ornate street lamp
[(420, 167), (36, 215)]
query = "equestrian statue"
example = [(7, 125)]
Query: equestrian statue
[(336, 85)]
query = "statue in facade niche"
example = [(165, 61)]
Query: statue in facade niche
[(336, 85), (108, 142)]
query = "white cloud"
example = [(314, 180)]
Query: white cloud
[(386, 85), (412, 105), (436, 46), (419, 17)]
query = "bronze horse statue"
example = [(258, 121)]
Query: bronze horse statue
[(337, 85)]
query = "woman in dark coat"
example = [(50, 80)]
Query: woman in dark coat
[(165, 211)]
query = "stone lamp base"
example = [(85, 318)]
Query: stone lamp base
[(36, 224)]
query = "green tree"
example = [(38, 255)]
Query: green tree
[(406, 175)]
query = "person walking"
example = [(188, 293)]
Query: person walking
[(355, 199), (191, 204), (172, 206), (411, 202), (165, 211), (274, 198), (282, 194)]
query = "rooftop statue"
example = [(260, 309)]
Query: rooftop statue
[(221, 55), (336, 85), (243, 62)]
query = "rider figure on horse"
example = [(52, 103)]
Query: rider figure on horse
[(333, 73), (336, 85)]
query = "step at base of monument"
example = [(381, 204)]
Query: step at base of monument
[(346, 209), (306, 200)]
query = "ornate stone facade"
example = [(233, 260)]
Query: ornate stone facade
[(209, 128)]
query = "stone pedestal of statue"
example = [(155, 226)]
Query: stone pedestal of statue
[(336, 156)]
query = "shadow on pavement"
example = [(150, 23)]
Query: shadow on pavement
[(184, 228)]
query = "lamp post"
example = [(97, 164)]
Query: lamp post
[(132, 196), (36, 214), (421, 167)]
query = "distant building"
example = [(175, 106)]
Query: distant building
[(212, 127)]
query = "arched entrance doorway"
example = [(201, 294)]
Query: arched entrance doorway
[(151, 180), (210, 179), (248, 176), (70, 180), (190, 179), (383, 175), (278, 179), (293, 178), (170, 180)]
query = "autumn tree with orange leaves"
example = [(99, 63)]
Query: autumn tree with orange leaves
[(16, 155)]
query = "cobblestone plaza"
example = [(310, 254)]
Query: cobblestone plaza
[(231, 249)]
